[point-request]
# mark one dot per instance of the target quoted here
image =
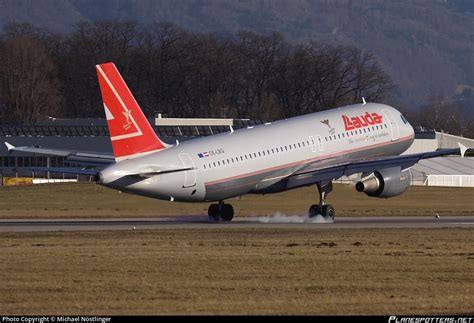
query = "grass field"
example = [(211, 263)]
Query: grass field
[(90, 200), (235, 271), (239, 271)]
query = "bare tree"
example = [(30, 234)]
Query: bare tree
[(29, 87), (258, 57), (91, 44), (186, 74), (444, 115)]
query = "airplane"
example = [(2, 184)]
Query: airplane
[(308, 150)]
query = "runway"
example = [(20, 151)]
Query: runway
[(200, 222)]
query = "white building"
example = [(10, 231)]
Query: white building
[(441, 171)]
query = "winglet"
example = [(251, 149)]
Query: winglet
[(10, 147), (462, 148)]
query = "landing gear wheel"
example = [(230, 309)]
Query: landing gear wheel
[(314, 210), (221, 211), (227, 212), (213, 212), (328, 212)]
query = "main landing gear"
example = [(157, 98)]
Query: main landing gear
[(220, 212), (326, 210)]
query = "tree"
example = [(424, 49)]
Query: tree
[(258, 55), (444, 115), (90, 44), (186, 74), (29, 87)]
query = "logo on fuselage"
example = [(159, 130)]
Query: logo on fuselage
[(366, 120), (326, 122)]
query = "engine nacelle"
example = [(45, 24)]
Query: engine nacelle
[(387, 182)]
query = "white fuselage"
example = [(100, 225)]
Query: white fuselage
[(261, 159)]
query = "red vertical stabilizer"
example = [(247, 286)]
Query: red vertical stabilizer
[(130, 132)]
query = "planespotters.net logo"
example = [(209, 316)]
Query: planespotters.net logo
[(404, 319)]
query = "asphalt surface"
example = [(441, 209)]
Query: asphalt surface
[(200, 222)]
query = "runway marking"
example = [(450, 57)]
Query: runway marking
[(201, 222)]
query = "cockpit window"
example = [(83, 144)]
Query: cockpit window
[(405, 121)]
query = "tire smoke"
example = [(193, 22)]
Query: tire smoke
[(279, 217)]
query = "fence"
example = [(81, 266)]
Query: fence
[(450, 180)]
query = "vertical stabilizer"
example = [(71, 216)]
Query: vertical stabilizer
[(130, 132)]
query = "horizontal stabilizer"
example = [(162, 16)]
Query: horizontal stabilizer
[(70, 156), (65, 170), (10, 147)]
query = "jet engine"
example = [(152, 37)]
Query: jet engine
[(387, 182)]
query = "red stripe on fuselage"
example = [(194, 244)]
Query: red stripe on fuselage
[(304, 161)]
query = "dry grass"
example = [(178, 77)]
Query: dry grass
[(239, 271), (90, 200)]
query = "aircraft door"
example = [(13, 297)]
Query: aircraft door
[(320, 142), (313, 144), (394, 126), (189, 175)]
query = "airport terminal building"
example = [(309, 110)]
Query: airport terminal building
[(92, 135)]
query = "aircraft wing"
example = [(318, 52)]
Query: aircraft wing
[(309, 175), (77, 157)]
